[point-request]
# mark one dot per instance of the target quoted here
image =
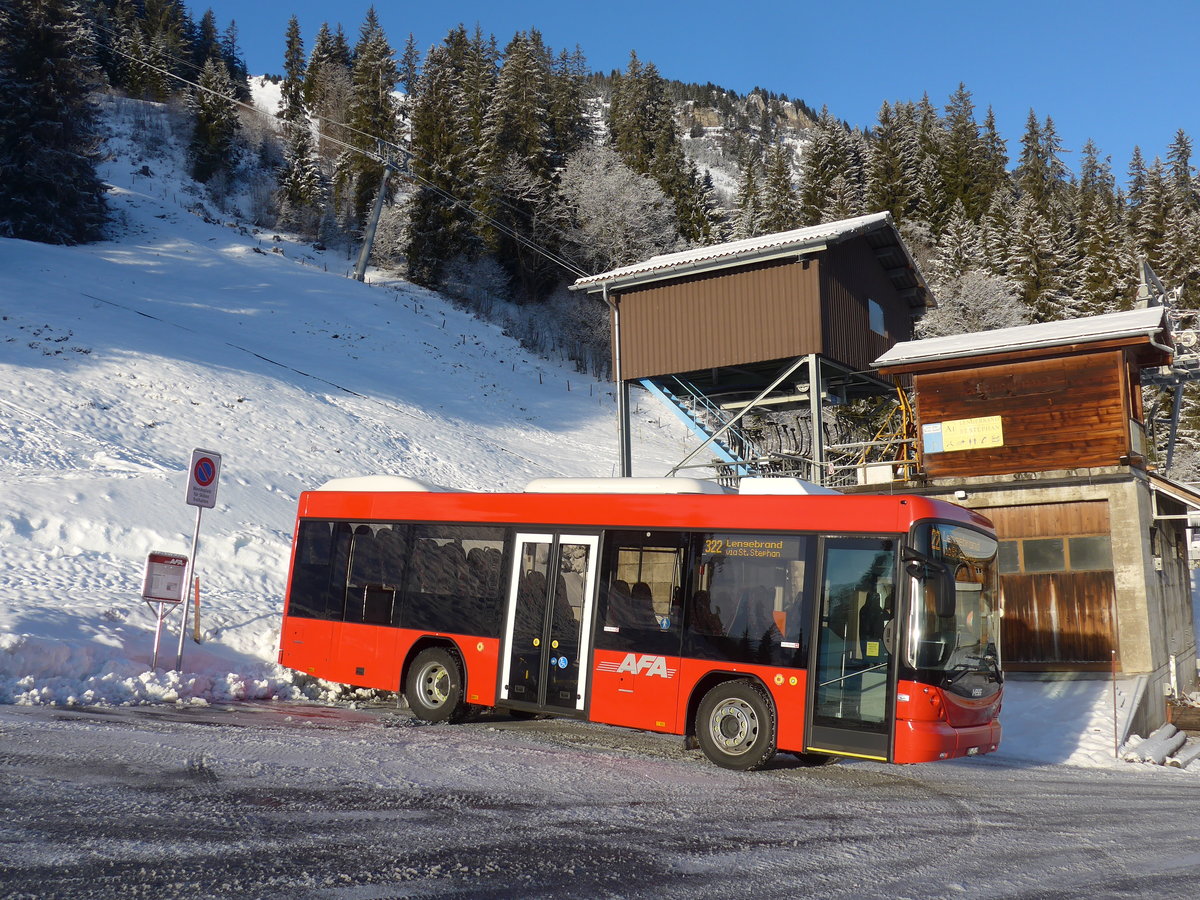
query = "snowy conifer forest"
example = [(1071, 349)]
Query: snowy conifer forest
[(513, 168)]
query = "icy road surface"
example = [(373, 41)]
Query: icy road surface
[(295, 801)]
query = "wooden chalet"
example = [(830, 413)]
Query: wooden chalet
[(1041, 428)]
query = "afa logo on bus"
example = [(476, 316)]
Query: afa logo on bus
[(640, 665)]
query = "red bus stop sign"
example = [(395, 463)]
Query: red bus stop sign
[(203, 476)]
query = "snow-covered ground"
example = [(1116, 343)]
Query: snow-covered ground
[(117, 359)]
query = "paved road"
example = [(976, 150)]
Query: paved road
[(289, 801)]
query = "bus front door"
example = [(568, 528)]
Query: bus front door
[(547, 622), (851, 674)]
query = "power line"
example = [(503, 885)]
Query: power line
[(419, 180)]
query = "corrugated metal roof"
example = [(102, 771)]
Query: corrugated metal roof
[(749, 250), (1111, 326)]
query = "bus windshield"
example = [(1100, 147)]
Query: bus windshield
[(958, 643)]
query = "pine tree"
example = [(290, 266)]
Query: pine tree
[(1038, 263), (962, 155), (301, 186), (327, 89), (887, 187), (208, 39), (993, 164), (169, 34), (235, 63), (213, 148), (748, 220), (49, 189), (440, 229), (291, 90), (1099, 240), (823, 161), (518, 118), (780, 208), (373, 117), (995, 234), (958, 249)]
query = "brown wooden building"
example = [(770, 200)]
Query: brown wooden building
[(1042, 429), (786, 314)]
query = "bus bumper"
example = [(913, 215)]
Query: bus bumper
[(918, 741)]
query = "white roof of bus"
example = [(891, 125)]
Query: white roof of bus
[(400, 483), (789, 486), (382, 484), (624, 486)]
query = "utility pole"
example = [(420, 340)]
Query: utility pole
[(364, 255)]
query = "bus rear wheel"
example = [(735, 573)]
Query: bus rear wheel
[(434, 687), (735, 725)]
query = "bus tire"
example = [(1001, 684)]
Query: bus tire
[(735, 725), (434, 687)]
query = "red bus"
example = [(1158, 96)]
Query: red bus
[(767, 619)]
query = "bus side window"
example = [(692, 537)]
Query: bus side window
[(310, 575), (639, 609), (335, 597)]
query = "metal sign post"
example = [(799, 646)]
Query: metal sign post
[(204, 474), (163, 584)]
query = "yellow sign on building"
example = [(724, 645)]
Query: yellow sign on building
[(963, 434)]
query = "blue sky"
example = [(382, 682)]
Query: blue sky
[(1122, 74)]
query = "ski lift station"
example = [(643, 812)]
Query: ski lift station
[(1042, 428)]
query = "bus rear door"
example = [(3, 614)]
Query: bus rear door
[(547, 626)]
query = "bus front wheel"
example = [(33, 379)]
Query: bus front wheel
[(735, 725), (434, 688)]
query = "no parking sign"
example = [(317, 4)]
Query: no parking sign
[(203, 477)]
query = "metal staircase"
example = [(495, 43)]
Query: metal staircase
[(707, 421)]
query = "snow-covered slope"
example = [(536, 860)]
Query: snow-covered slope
[(117, 359)]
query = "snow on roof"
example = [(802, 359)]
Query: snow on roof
[(797, 241), (777, 486), (382, 484), (1111, 326), (624, 486)]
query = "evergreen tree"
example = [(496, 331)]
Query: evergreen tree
[(208, 39), (962, 156), (1099, 239), (1183, 174), (327, 89), (748, 220), (993, 164), (958, 250), (213, 148), (301, 186), (995, 234), (373, 117), (169, 34), (440, 228), (1038, 263), (568, 120), (291, 89), (887, 187), (409, 71), (824, 161), (235, 63), (49, 189), (780, 208), (518, 118)]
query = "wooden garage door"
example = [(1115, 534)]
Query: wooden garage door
[(1057, 584)]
